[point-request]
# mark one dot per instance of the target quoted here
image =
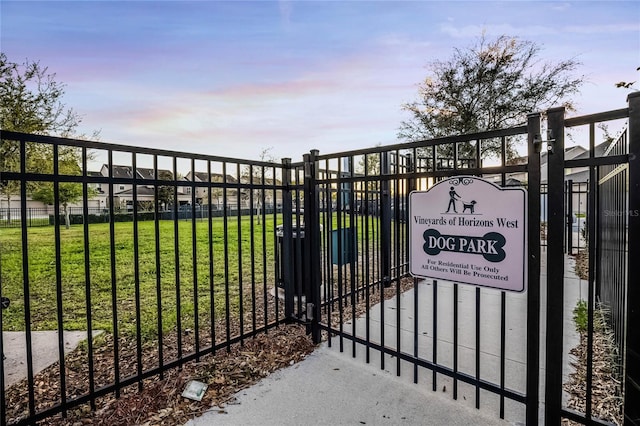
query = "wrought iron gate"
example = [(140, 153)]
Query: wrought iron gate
[(338, 225), (462, 338)]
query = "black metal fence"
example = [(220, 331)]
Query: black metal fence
[(165, 288), (611, 168), (330, 250), (362, 245)]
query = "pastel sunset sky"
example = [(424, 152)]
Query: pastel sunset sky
[(231, 78)]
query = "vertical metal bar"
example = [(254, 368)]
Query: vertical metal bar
[(239, 238), (566, 245), (555, 267), (227, 300), (503, 345), (252, 246), (59, 307), (397, 247), (114, 287), (158, 268), (411, 186), (301, 257), (194, 261), (176, 252), (136, 271), (286, 239), (385, 241), (591, 218), (312, 241), (570, 216), (263, 194), (3, 399), (385, 219), (327, 228), (534, 142), (632, 354), (477, 347), (367, 279), (212, 304), (455, 339), (316, 251), (351, 249), (338, 231), (87, 278), (276, 264), (25, 279), (435, 334), (416, 322)]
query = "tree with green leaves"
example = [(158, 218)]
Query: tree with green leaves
[(491, 85), (68, 192), (31, 102), (166, 196)]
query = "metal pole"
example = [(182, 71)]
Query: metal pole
[(385, 220), (312, 244), (533, 281), (286, 254), (555, 266), (569, 184)]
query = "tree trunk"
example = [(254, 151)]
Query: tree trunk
[(66, 216), (259, 212), (9, 210)]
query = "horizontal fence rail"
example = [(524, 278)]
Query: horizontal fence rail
[(179, 261)]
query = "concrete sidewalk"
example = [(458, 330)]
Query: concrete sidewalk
[(337, 388), (331, 388), (44, 347)]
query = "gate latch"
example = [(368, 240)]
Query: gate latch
[(537, 142)]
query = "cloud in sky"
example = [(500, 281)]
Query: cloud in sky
[(235, 77), (344, 103), (470, 31)]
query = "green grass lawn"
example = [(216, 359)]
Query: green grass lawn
[(171, 269), (236, 268)]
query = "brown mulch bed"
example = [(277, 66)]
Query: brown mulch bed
[(606, 387), (582, 264), (606, 396), (160, 401)]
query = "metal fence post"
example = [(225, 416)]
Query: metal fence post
[(312, 244), (555, 266), (286, 255), (569, 208), (632, 355), (385, 220), (533, 281)]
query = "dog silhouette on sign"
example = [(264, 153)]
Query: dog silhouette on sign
[(468, 206)]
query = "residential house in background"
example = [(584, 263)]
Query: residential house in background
[(123, 193), (217, 194)]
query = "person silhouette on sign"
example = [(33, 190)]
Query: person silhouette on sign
[(452, 200)]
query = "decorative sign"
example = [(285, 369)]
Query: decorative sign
[(468, 230)]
